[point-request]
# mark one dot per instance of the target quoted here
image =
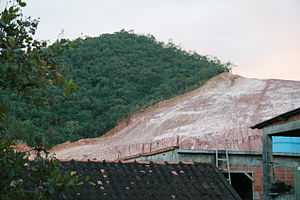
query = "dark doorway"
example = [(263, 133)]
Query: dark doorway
[(242, 184)]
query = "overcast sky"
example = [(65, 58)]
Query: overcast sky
[(261, 37)]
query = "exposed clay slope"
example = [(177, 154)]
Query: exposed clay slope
[(216, 115)]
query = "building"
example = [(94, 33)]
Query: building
[(210, 124), (244, 168), (284, 125), (151, 181)]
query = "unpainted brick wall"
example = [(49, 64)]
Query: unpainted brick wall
[(285, 174)]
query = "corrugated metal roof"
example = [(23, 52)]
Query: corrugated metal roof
[(280, 117), (151, 181)]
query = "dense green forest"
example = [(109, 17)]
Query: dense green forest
[(116, 74)]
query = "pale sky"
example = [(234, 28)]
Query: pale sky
[(261, 37)]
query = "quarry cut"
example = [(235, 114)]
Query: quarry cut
[(217, 115)]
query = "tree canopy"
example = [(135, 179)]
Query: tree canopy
[(118, 74), (24, 65), (23, 60)]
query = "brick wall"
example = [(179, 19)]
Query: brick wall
[(285, 174)]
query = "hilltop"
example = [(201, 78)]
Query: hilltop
[(117, 74)]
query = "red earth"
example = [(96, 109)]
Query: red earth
[(217, 115)]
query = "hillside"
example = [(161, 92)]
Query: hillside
[(117, 74), (216, 115)]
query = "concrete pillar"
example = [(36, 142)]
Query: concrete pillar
[(267, 165), (297, 183)]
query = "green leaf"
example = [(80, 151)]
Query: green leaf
[(2, 24), (70, 87), (21, 3), (73, 173), (3, 111)]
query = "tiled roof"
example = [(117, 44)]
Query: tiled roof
[(150, 181)]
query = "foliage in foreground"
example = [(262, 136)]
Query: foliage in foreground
[(40, 179), (26, 66), (118, 74), (24, 63)]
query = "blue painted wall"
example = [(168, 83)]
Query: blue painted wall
[(286, 144)]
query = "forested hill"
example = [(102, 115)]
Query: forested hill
[(117, 74)]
